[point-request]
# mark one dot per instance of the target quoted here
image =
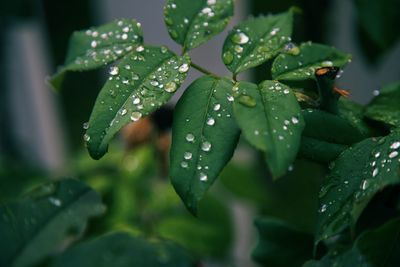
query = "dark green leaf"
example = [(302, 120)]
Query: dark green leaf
[(192, 23), (354, 113), (280, 245), (257, 40), (330, 128), (386, 106), (123, 250), (204, 136), (97, 47), (357, 175), (271, 120), (140, 83), (378, 247), (302, 65), (40, 224), (319, 151)]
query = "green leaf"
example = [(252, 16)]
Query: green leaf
[(97, 47), (319, 151), (204, 136), (281, 245), (270, 118), (257, 40), (140, 83), (385, 107), (192, 23), (302, 65), (40, 224), (121, 250), (357, 175), (330, 128), (367, 250)]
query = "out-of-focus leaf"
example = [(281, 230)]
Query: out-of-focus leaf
[(99, 46), (209, 235), (319, 151), (302, 64), (386, 107), (357, 175), (281, 245), (257, 40), (354, 113), (270, 118), (377, 247), (38, 225), (330, 128), (140, 83), (204, 136), (192, 23), (123, 250)]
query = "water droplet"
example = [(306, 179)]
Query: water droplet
[(292, 49), (140, 48), (206, 146), (135, 116), (184, 164), (327, 63), (55, 201), (217, 107), (376, 92), (190, 137), (184, 68), (393, 154), (295, 120), (86, 137), (375, 172), (247, 101), (240, 38), (187, 155), (170, 87), (364, 184), (377, 154), (93, 44), (210, 121), (114, 70), (274, 31), (230, 98), (203, 177), (323, 208), (227, 57), (211, 2), (136, 101), (86, 125), (123, 111), (395, 145)]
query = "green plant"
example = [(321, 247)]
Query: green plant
[(296, 118)]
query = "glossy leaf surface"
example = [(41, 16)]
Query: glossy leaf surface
[(140, 83), (192, 23), (204, 136), (302, 64), (256, 40), (270, 119)]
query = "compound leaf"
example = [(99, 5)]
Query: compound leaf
[(204, 136), (140, 83), (357, 175), (192, 23), (301, 63), (270, 119), (99, 46), (38, 225), (257, 40)]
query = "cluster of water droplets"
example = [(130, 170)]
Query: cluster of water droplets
[(251, 51), (199, 26), (108, 43), (141, 83)]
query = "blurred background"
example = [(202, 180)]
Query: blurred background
[(41, 131)]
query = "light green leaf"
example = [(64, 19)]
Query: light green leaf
[(99, 46), (140, 83), (192, 23), (386, 106), (367, 250), (302, 65), (257, 40), (40, 224), (357, 175), (281, 245), (270, 118), (121, 250), (204, 136)]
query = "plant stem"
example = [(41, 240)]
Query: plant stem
[(203, 70)]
